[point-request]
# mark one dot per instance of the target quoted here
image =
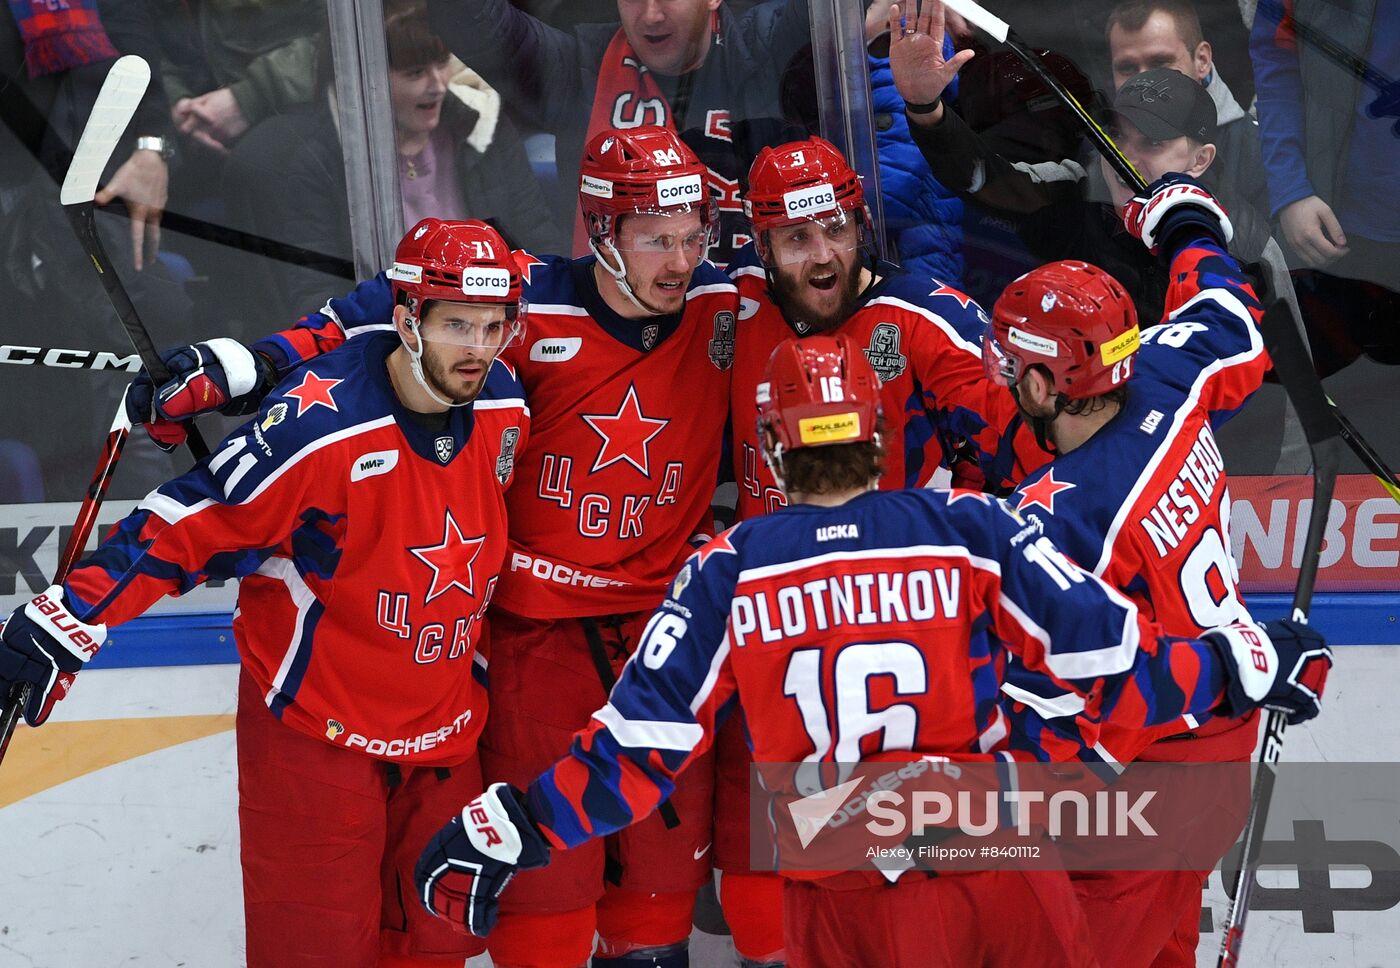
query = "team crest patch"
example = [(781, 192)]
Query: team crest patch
[(649, 334), (883, 352), (443, 448), (1047, 302), (505, 464), (722, 344)]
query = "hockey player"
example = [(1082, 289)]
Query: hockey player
[(808, 270), (1137, 494), (364, 511), (707, 646), (627, 374)]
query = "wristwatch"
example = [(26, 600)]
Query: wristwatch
[(161, 146)]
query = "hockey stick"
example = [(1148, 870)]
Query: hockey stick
[(72, 551), (116, 103), (1295, 371), (1363, 450), (65, 359), (1001, 31)]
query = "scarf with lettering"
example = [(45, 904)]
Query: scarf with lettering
[(60, 34), (627, 96)]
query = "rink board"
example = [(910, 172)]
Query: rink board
[(127, 801)]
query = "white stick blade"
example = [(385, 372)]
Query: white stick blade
[(980, 16), (121, 92)]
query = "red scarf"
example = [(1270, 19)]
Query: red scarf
[(59, 39), (626, 97)]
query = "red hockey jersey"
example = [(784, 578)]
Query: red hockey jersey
[(627, 433), (368, 548), (923, 339), (1143, 503)]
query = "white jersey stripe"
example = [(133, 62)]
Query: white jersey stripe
[(650, 734), (172, 511), (724, 287), (1065, 704), (712, 674), (1256, 346), (283, 570), (953, 335), (903, 552), (557, 309), (505, 404)]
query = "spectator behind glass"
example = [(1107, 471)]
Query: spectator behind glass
[(52, 66), (459, 157), (1075, 28), (231, 63), (686, 64), (1063, 209), (1333, 164), (923, 220), (1143, 34)]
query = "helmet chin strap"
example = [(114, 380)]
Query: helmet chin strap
[(773, 457), (415, 364), (620, 276)]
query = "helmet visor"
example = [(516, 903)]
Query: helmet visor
[(486, 326), (814, 240), (666, 230), (999, 367)]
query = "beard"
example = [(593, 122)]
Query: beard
[(793, 298), (440, 374)]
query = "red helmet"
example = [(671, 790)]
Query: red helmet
[(641, 171), (800, 180), (460, 261), (818, 390), (1070, 317)]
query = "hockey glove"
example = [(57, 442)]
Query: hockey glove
[(221, 374), (1174, 203), (1280, 665), (44, 645), (469, 862)]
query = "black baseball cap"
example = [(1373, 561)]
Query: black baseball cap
[(1164, 104)]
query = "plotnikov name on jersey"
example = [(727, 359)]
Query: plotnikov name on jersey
[(866, 598)]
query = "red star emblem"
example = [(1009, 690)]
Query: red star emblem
[(715, 546), (1042, 492), (312, 391), (625, 433), (526, 262), (963, 298), (450, 559), (958, 493)]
